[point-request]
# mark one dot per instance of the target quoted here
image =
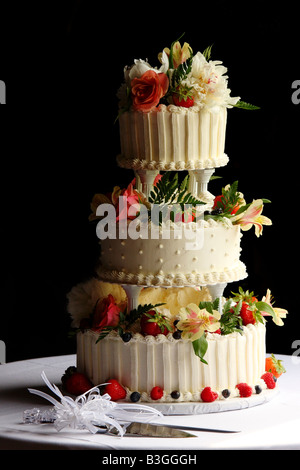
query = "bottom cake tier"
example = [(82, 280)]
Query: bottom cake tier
[(162, 361)]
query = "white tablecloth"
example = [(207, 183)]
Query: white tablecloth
[(274, 425)]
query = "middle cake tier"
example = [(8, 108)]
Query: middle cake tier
[(181, 254)]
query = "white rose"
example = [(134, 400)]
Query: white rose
[(141, 66)]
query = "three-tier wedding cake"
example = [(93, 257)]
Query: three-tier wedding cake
[(155, 319)]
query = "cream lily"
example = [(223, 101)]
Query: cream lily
[(252, 216), (279, 313), (193, 322)]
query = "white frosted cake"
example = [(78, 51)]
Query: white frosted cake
[(146, 362), (173, 138), (155, 320), (212, 258)]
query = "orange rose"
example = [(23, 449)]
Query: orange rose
[(148, 90)]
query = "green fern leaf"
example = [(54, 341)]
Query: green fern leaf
[(244, 105)]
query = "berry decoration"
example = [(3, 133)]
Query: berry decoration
[(156, 393), (175, 395), (154, 323), (208, 396), (269, 380), (274, 366), (245, 390), (75, 383), (226, 393), (115, 390), (135, 397), (126, 337)]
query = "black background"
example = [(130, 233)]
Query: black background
[(62, 65)]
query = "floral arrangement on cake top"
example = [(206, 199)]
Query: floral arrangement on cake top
[(183, 79)]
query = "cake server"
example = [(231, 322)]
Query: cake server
[(164, 430)]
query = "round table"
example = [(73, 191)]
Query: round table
[(273, 425)]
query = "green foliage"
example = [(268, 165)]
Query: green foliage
[(231, 321), (169, 191), (182, 72), (207, 52), (210, 306), (137, 313), (243, 105), (200, 348)]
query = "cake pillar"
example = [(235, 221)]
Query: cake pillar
[(147, 178), (202, 178), (133, 293), (217, 292)]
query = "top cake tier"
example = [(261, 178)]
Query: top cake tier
[(173, 138), (174, 116)]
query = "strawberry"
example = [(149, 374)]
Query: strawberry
[(156, 393), (115, 390), (244, 389), (208, 396), (247, 314), (183, 102), (269, 380), (75, 383), (274, 366), (183, 97), (154, 323), (249, 311)]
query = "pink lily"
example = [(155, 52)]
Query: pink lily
[(193, 322), (252, 216)]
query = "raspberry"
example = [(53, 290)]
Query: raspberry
[(245, 390), (269, 380), (156, 393), (207, 395)]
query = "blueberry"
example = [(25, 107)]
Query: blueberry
[(258, 389), (135, 397), (126, 337), (175, 395), (226, 393), (177, 334)]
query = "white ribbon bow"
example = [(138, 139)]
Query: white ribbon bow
[(92, 410)]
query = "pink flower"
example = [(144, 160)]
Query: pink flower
[(193, 322), (147, 90), (127, 202), (252, 216), (107, 314)]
